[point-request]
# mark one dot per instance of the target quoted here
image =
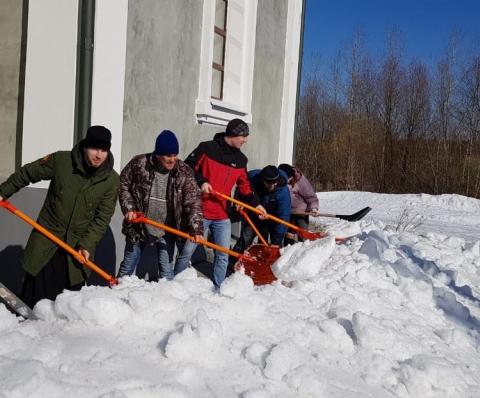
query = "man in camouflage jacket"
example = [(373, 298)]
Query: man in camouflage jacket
[(164, 189)]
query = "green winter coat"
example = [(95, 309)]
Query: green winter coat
[(77, 209)]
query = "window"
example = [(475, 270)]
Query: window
[(219, 39), (227, 59)]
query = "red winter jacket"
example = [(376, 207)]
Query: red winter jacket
[(222, 166)]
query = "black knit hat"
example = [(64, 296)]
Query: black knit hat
[(270, 174), (98, 137), (236, 128), (287, 169)]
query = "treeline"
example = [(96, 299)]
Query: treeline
[(383, 124)]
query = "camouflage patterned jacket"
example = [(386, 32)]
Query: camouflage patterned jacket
[(183, 196)]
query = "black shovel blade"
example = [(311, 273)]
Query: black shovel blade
[(357, 216)]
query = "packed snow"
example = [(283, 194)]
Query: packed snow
[(391, 311)]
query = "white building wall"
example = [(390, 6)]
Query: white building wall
[(109, 70), (49, 78), (292, 59), (51, 69)]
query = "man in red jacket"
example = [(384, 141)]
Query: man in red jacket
[(220, 165)]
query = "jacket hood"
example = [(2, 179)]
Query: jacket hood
[(220, 138), (256, 177), (297, 173)]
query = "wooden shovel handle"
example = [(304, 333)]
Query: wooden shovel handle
[(301, 232), (309, 213)]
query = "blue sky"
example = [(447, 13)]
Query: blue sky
[(425, 25)]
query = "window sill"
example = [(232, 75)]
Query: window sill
[(220, 112)]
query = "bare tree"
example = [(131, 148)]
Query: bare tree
[(444, 129), (416, 116), (468, 115), (385, 125), (392, 77)]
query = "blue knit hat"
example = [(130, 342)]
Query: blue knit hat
[(166, 144)]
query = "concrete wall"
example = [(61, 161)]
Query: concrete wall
[(11, 19), (50, 78), (109, 70), (268, 82), (162, 75), (37, 97)]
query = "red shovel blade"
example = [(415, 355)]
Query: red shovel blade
[(314, 235), (256, 263), (310, 235)]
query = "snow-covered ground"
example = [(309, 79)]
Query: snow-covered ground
[(393, 311)]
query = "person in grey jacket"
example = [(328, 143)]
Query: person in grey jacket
[(304, 199), (78, 207), (162, 188)]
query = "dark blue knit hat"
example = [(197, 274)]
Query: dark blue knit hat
[(166, 144)]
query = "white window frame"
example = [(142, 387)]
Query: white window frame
[(239, 62)]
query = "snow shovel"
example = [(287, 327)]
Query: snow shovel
[(111, 280), (261, 273), (256, 260), (348, 217), (301, 232), (14, 303)]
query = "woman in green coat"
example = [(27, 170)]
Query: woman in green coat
[(80, 202)]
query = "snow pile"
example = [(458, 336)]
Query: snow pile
[(386, 313)]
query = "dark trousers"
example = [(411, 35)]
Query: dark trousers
[(246, 238), (300, 221), (248, 235), (52, 280)]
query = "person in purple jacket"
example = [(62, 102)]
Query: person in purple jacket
[(303, 198)]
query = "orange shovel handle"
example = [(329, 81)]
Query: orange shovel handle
[(141, 218), (255, 210), (249, 220), (301, 232), (7, 205)]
